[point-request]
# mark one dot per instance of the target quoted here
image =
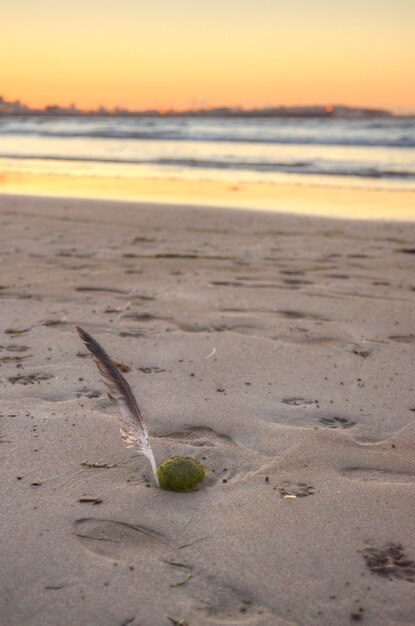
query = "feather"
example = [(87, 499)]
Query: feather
[(134, 430)]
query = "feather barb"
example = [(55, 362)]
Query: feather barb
[(134, 430)]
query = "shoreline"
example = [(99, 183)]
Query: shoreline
[(59, 207), (350, 203), (277, 349)]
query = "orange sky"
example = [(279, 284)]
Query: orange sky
[(182, 53)]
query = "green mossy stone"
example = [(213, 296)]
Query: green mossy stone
[(181, 473)]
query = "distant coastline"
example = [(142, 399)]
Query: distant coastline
[(17, 108)]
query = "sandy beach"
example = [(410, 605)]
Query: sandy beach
[(276, 349)]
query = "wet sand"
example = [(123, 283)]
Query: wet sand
[(321, 199), (276, 349)]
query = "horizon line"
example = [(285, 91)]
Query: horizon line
[(10, 107)]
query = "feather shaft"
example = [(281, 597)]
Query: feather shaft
[(134, 430)]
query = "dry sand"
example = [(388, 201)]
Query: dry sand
[(278, 350)]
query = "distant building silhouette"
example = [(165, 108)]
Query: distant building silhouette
[(325, 111)]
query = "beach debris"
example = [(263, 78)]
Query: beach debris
[(90, 500), (15, 332), (53, 322), (177, 622), (210, 354), (133, 431), (122, 366), (129, 620), (363, 353), (99, 465), (189, 569), (181, 473), (357, 615)]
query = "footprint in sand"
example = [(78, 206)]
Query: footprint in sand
[(88, 393), (29, 379), (300, 315), (299, 490), (199, 436), (151, 370), (219, 604), (389, 561), (13, 358), (226, 283), (126, 542), (15, 348), (132, 333), (117, 540), (298, 401), (297, 282), (213, 328), (142, 316), (336, 422), (402, 338), (101, 289), (380, 475)]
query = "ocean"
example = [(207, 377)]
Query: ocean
[(368, 153)]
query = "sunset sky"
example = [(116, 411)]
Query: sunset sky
[(183, 53)]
